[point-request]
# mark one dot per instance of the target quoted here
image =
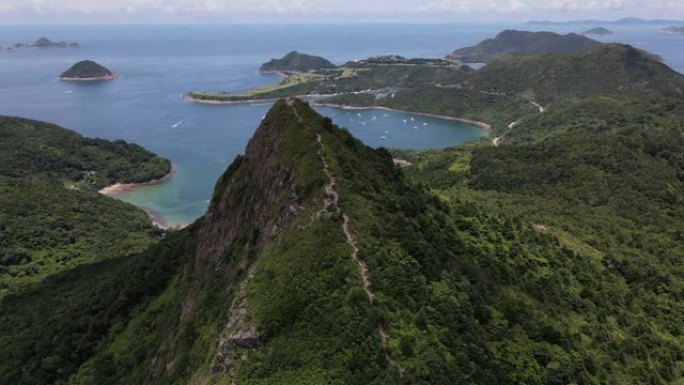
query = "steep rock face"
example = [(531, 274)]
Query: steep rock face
[(257, 191)]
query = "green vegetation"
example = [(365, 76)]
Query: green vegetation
[(522, 42), (49, 331), (609, 69), (556, 257), (608, 186), (87, 69), (32, 149), (296, 62), (382, 75), (553, 262), (498, 94), (51, 217)]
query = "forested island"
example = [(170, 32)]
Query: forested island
[(87, 70)]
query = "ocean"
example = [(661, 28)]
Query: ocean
[(157, 64)]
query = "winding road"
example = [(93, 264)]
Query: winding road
[(496, 141)]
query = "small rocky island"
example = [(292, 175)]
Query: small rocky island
[(672, 30), (295, 62), (87, 70), (43, 42), (600, 31)]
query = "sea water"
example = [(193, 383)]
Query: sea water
[(157, 64)]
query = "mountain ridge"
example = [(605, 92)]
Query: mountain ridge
[(522, 42)]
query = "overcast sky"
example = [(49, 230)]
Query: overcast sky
[(85, 11)]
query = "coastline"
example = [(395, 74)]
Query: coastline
[(158, 223), (106, 77), (481, 125), (190, 99), (487, 128), (118, 188), (113, 191)]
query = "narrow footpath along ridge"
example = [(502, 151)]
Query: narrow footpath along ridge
[(331, 201)]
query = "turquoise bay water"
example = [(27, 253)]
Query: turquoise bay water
[(158, 64)]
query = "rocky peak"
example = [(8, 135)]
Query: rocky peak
[(260, 190)]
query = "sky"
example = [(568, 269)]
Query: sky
[(97, 11)]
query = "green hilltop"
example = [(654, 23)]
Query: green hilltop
[(87, 69), (296, 62), (524, 42)]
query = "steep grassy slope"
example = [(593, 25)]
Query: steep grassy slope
[(51, 217), (318, 262)]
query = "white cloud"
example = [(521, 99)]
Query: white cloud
[(380, 9)]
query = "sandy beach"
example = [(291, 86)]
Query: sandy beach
[(118, 188)]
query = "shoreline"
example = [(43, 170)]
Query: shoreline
[(487, 128), (158, 223), (119, 188), (113, 191), (106, 77), (190, 99), (481, 125)]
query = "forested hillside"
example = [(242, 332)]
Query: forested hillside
[(320, 262), (51, 217)]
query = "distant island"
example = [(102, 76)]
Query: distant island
[(295, 62), (623, 21), (672, 30), (87, 70), (512, 41), (43, 42), (598, 31)]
